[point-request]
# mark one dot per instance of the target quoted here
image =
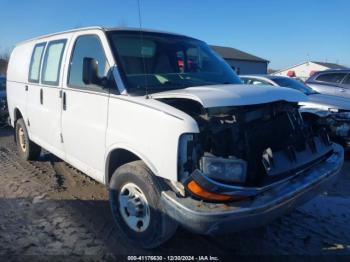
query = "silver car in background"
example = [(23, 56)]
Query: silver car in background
[(334, 82), (324, 111)]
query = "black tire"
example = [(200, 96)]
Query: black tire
[(161, 227), (27, 149)]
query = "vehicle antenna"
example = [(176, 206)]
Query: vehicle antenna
[(143, 58)]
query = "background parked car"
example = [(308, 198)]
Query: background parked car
[(2, 86), (332, 82), (324, 110), (3, 102)]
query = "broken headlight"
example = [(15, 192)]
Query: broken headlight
[(225, 170)]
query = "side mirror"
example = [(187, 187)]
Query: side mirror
[(90, 71)]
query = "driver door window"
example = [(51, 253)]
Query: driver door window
[(86, 46)]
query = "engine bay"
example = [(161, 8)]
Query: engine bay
[(271, 138)]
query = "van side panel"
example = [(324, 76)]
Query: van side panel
[(17, 77), (139, 125), (19, 63)]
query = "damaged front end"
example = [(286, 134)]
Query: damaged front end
[(247, 166), (242, 151)]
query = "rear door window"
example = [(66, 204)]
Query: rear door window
[(52, 62), (335, 78), (35, 63)]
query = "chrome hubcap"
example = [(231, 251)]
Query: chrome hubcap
[(22, 139), (134, 207)]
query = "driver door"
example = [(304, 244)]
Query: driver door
[(85, 108)]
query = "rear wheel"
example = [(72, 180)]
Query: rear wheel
[(134, 195), (27, 149)]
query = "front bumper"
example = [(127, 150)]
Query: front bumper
[(217, 218)]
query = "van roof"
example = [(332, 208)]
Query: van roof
[(98, 28)]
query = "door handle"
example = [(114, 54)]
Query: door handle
[(26, 87), (41, 96), (341, 90), (64, 101)]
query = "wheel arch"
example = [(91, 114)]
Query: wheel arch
[(17, 114), (120, 156)]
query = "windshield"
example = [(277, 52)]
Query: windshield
[(2, 84), (295, 84), (162, 61)]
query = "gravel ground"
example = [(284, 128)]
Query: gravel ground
[(50, 208)]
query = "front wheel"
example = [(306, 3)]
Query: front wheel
[(26, 148), (134, 195)]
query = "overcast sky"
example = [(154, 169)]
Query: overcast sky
[(283, 31)]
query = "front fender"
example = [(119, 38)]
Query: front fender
[(131, 149), (151, 130)]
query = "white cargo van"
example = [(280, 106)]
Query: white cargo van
[(166, 125)]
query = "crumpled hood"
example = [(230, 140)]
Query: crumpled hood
[(326, 102), (234, 95)]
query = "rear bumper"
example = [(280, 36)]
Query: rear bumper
[(212, 218)]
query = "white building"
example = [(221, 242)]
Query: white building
[(306, 69), (242, 62)]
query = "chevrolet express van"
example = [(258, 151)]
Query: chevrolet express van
[(168, 127)]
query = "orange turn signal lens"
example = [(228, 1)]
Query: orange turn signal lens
[(200, 192)]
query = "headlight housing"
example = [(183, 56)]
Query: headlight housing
[(225, 170)]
